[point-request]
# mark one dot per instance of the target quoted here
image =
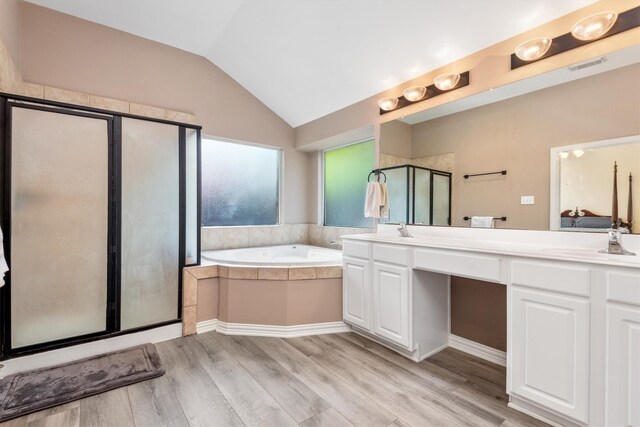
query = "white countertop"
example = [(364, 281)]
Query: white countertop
[(532, 244)]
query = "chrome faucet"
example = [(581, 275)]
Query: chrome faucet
[(335, 243), (403, 230), (615, 244)]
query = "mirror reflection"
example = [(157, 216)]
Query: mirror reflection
[(585, 177), (514, 128)]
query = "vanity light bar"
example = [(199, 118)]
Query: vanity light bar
[(625, 21), (431, 91)]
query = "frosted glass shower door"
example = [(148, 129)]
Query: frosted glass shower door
[(441, 199), (422, 196), (150, 223), (397, 187), (59, 225)]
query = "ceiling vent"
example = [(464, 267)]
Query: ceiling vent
[(583, 65)]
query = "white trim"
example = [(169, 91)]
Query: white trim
[(94, 348), (206, 326), (271, 330), (539, 413), (479, 350)]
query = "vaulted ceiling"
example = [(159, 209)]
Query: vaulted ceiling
[(307, 58)]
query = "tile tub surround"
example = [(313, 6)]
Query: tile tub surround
[(216, 238), (261, 295)]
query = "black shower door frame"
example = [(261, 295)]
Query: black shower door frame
[(114, 253)]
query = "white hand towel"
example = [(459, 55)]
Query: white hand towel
[(3, 263), (372, 200), (482, 221), (384, 201)]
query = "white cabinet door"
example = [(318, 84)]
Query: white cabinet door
[(623, 366), (391, 303), (550, 344), (356, 292)]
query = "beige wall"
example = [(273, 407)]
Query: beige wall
[(279, 302), (395, 139), (208, 299), (10, 27), (517, 134), (63, 51)]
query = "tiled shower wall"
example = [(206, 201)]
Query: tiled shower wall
[(214, 238)]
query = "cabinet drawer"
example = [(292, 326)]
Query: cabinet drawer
[(623, 287), (391, 254), (475, 266), (551, 277), (356, 249)]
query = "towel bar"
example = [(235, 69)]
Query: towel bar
[(497, 218)]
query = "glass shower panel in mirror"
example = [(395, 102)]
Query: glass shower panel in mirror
[(59, 225), (423, 197), (397, 181), (418, 195), (441, 199), (150, 223)]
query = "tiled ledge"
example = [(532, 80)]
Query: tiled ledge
[(191, 275), (264, 273)]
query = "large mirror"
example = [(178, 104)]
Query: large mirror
[(498, 146)]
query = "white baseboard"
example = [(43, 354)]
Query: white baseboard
[(271, 330), (540, 414), (93, 348), (479, 350), (206, 326)]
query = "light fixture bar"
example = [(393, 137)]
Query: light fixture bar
[(626, 21), (432, 91)]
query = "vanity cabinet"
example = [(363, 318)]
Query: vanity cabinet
[(391, 303), (550, 336), (356, 299), (550, 351), (385, 299), (573, 348), (622, 376)]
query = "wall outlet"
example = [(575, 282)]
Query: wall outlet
[(526, 200)]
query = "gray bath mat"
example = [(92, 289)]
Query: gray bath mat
[(33, 391)]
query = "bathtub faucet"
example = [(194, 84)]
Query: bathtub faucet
[(403, 230), (335, 243)]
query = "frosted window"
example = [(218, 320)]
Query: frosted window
[(59, 200), (240, 184), (345, 183), (150, 223)]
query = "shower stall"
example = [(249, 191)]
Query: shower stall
[(100, 215), (417, 195)]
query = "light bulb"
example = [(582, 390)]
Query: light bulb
[(415, 93), (533, 49), (446, 81), (564, 155), (388, 104), (595, 26), (578, 153)]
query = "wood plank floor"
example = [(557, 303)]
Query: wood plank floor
[(323, 380)]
